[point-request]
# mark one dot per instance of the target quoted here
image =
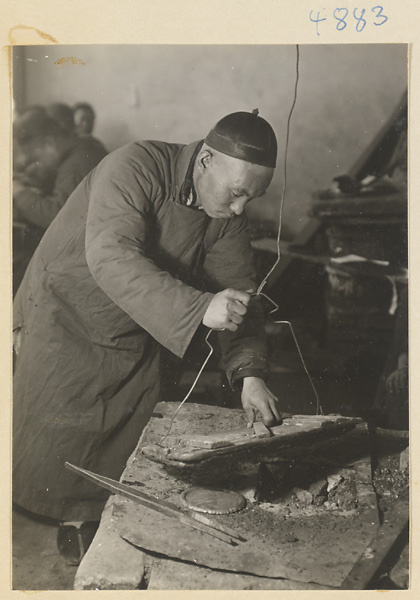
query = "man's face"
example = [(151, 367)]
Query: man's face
[(224, 185), (42, 150), (83, 121), (45, 152)]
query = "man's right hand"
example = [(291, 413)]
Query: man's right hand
[(226, 310)]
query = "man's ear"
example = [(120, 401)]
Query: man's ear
[(204, 159)]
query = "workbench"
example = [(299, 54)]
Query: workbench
[(113, 563)]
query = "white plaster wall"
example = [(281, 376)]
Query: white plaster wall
[(176, 93)]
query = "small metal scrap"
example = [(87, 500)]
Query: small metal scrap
[(213, 502)]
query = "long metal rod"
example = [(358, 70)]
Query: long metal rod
[(197, 521)]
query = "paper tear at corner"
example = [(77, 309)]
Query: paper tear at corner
[(21, 35)]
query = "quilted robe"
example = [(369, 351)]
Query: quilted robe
[(125, 269)]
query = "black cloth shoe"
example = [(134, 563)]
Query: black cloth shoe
[(73, 540)]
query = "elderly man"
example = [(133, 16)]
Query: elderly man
[(52, 161), (150, 247), (47, 138)]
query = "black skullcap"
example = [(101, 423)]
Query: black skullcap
[(245, 136)]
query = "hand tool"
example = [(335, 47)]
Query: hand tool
[(169, 509)]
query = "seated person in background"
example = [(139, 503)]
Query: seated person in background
[(36, 174), (391, 404), (30, 173), (43, 140), (84, 118), (63, 114), (49, 162), (33, 173)]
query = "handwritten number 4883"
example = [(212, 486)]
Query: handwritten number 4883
[(341, 14)]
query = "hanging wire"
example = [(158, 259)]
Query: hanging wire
[(318, 405), (274, 310), (259, 291), (283, 195), (192, 386)]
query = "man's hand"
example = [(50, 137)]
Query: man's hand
[(257, 397), (18, 186), (397, 382), (226, 310), (22, 191)]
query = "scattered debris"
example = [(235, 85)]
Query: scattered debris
[(304, 496), (333, 482), (344, 494), (319, 491), (404, 459), (391, 484)]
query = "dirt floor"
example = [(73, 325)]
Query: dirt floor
[(37, 564)]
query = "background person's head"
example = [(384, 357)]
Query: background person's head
[(40, 138), (235, 164), (84, 118), (63, 115), (22, 127)]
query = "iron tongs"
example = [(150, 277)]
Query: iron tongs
[(169, 509)]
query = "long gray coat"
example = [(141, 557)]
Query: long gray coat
[(122, 271)]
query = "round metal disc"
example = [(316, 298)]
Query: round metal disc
[(213, 502)]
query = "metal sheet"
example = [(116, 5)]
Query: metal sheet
[(321, 548), (232, 444), (173, 575)]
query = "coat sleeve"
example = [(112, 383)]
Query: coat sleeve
[(40, 209), (230, 264), (119, 224)]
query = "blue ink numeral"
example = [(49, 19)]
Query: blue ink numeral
[(317, 20), (341, 14), (361, 23), (379, 15), (341, 21)]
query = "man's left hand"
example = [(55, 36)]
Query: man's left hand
[(397, 382), (18, 187), (257, 397), (24, 192)]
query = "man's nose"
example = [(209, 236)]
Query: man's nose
[(237, 207)]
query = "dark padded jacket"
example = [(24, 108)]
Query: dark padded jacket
[(125, 269)]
